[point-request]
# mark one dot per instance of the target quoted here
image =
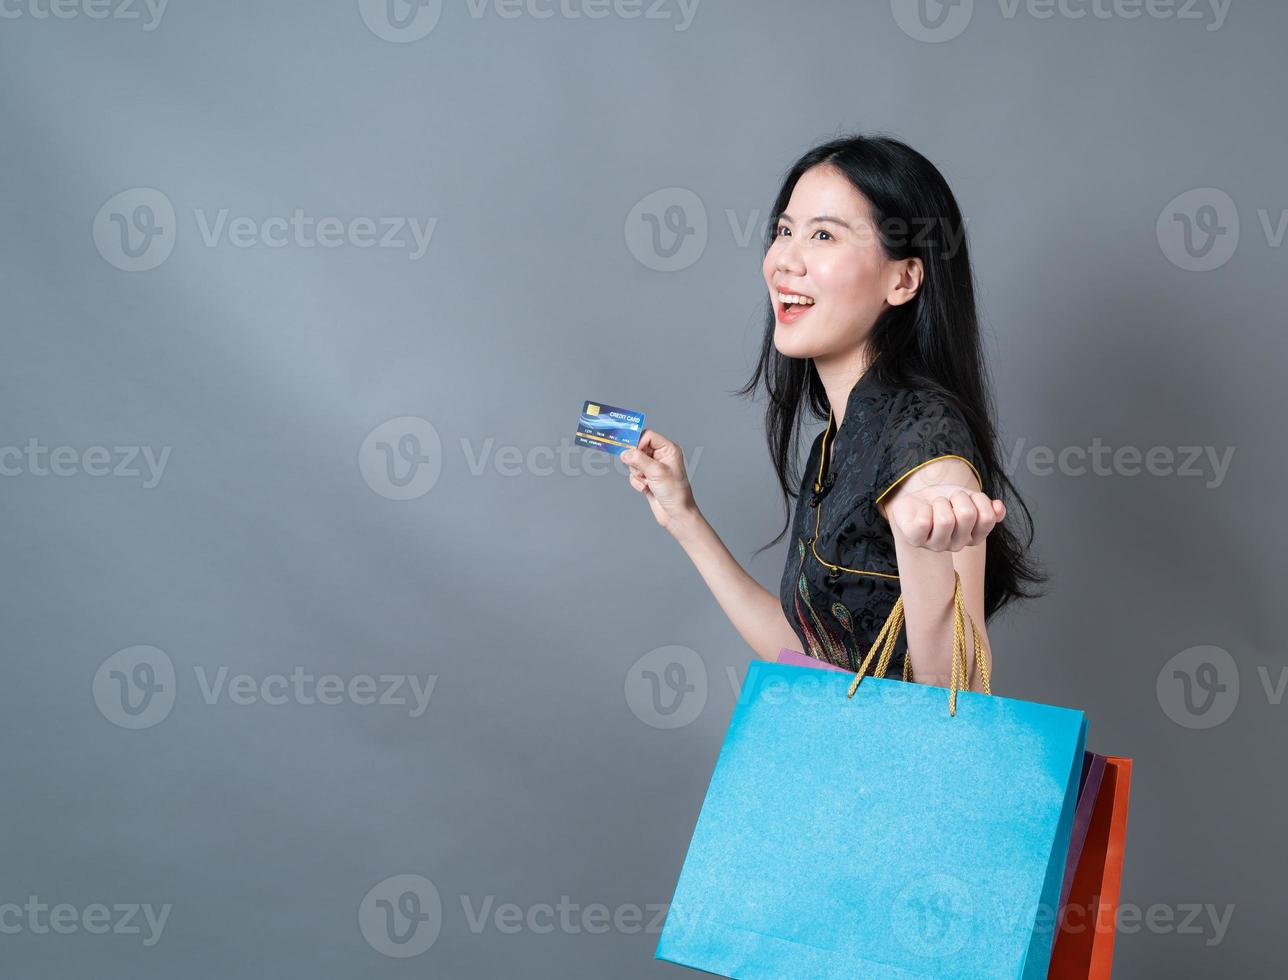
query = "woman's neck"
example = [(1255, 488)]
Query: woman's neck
[(839, 375)]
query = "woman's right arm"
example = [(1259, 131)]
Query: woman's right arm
[(656, 469)]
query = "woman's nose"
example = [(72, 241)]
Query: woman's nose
[(789, 258)]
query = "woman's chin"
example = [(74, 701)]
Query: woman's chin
[(790, 343)]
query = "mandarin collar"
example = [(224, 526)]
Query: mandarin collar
[(825, 478)]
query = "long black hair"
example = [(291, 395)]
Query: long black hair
[(931, 342)]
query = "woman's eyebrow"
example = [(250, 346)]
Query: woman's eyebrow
[(818, 220)]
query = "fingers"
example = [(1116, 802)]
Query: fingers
[(951, 523), (642, 462), (966, 517), (916, 522), (990, 514), (944, 523), (651, 439), (974, 515)]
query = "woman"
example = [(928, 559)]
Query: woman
[(871, 325)]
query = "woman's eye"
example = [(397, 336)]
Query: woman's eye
[(783, 229)]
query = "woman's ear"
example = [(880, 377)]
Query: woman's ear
[(906, 281)]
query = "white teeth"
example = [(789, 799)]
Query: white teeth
[(793, 298)]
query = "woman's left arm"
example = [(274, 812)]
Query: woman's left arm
[(940, 522)]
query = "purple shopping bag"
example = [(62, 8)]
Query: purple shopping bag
[(1093, 772), (798, 659)]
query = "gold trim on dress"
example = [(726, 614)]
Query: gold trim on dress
[(828, 434), (927, 463)]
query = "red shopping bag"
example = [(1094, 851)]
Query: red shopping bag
[(1084, 944)]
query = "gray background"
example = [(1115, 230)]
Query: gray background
[(272, 540)]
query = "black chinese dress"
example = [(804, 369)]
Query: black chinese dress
[(842, 578)]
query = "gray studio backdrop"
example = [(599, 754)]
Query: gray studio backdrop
[(328, 654)]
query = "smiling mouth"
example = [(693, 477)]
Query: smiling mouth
[(791, 311)]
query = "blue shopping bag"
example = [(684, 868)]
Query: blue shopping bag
[(861, 827)]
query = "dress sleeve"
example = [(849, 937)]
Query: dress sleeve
[(926, 427)]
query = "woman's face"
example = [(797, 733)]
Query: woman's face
[(826, 248)]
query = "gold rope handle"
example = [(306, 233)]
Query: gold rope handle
[(889, 634)]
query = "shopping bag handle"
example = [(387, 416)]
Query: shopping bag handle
[(890, 632)]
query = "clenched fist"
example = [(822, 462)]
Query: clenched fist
[(943, 517)]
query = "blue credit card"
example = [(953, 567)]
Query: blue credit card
[(606, 427)]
